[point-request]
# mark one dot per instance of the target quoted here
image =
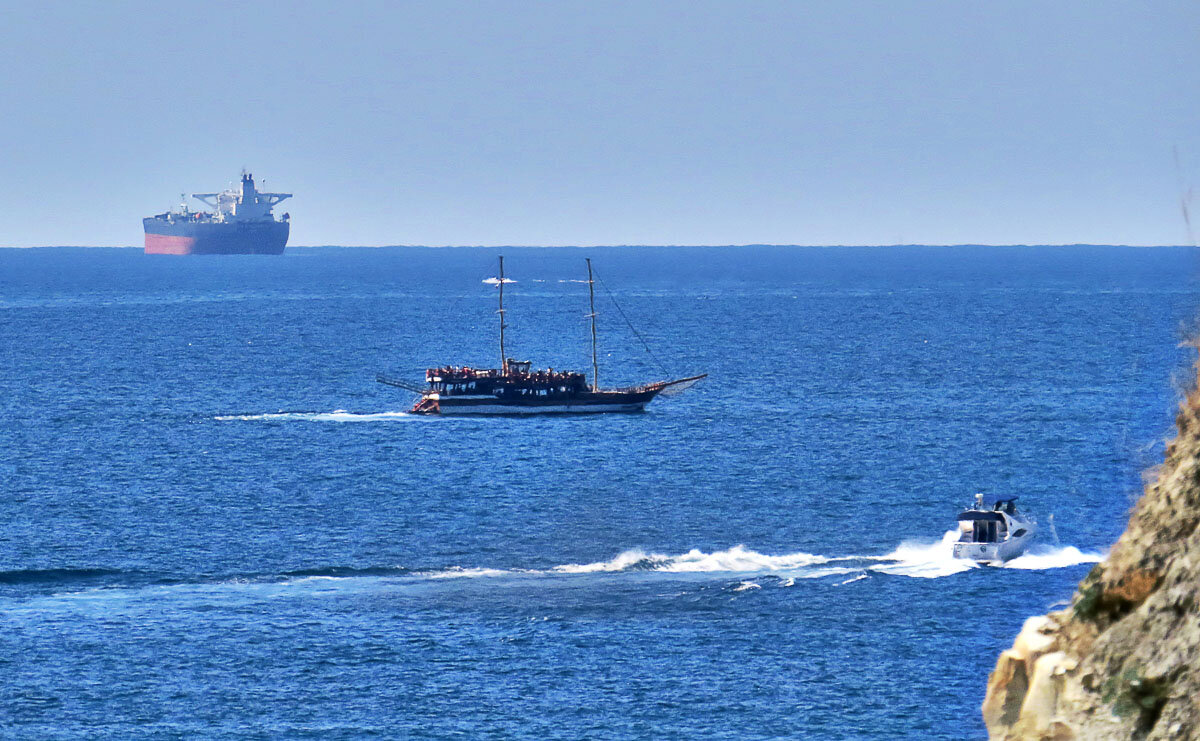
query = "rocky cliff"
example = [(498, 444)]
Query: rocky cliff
[(1123, 662)]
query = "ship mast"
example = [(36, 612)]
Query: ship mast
[(592, 316), (503, 357)]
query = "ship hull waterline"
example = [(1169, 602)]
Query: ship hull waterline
[(183, 238), (504, 409), (592, 403)]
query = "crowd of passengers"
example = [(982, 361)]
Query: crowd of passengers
[(548, 377)]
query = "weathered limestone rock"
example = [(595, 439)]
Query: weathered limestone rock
[(1123, 662)]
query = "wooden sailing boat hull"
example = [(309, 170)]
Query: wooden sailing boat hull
[(590, 403), (495, 409)]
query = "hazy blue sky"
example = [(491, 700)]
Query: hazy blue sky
[(642, 122)]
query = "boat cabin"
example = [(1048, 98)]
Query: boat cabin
[(993, 535), (981, 527)]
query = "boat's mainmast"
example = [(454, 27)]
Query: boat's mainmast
[(503, 356), (592, 304)]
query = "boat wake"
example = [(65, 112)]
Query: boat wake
[(936, 558), (337, 415), (736, 559), (1052, 558), (746, 570), (927, 559)]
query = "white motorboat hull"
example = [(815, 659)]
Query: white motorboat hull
[(994, 553)]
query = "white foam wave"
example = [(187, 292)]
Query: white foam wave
[(739, 558), (337, 415), (623, 561), (736, 559), (496, 281), (924, 559), (932, 559), (913, 558), (1053, 558), (461, 573)]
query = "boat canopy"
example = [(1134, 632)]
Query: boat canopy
[(977, 515)]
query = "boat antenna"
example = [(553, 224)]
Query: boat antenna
[(592, 316), (503, 357)]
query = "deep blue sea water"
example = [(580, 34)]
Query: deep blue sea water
[(216, 524)]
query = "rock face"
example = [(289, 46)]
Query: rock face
[(1123, 662)]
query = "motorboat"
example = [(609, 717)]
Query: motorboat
[(993, 535)]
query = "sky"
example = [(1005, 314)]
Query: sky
[(600, 123)]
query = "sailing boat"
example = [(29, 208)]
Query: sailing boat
[(517, 388)]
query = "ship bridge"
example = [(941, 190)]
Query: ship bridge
[(244, 204)]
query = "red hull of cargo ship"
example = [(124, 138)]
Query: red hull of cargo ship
[(162, 244)]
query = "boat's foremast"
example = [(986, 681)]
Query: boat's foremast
[(503, 355), (592, 316)]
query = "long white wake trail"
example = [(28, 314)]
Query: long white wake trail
[(927, 559), (337, 415)]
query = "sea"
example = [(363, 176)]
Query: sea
[(216, 524)]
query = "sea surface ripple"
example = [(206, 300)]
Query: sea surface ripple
[(216, 524)]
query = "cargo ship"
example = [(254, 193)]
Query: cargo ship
[(241, 223), (516, 388)]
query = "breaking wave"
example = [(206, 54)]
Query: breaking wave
[(337, 415)]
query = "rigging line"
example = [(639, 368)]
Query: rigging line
[(633, 329)]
